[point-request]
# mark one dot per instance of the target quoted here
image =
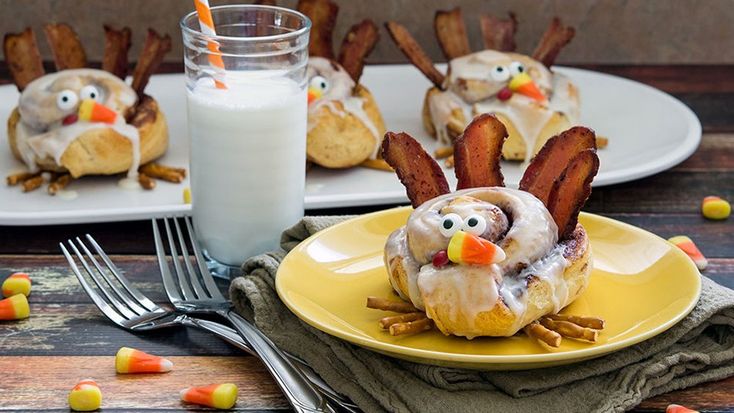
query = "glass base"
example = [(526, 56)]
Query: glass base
[(217, 269)]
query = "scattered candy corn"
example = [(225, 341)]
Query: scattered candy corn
[(714, 207), (466, 248), (18, 283), (674, 408), (220, 396), (129, 360), (85, 396), (187, 195), (685, 243), (14, 308)]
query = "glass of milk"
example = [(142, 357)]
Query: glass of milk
[(248, 138)]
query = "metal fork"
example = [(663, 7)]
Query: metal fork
[(194, 291), (125, 305)]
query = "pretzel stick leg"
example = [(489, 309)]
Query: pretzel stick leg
[(384, 304), (59, 183), (379, 164), (570, 330), (20, 177), (588, 322), (32, 184), (412, 327), (538, 332), (386, 322), (145, 181)]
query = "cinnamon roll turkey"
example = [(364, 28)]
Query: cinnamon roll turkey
[(487, 260)]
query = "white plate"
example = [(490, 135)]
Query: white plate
[(649, 131)]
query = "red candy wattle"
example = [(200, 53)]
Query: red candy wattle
[(440, 259), (504, 94)]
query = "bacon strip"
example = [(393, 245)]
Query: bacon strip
[(323, 18), (553, 158), (154, 49), (65, 45), (571, 191), (116, 46), (556, 36), (498, 34), (477, 153), (357, 45), (23, 58), (451, 33), (416, 169), (412, 50)]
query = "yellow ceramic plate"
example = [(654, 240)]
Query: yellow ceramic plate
[(641, 285)]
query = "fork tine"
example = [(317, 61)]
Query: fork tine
[(168, 283), (205, 274), (120, 307), (185, 289), (192, 277), (124, 298), (108, 311), (131, 289)]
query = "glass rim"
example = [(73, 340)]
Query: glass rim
[(294, 34)]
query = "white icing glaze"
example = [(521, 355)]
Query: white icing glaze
[(129, 183), (40, 133), (530, 244), (341, 87), (67, 194)]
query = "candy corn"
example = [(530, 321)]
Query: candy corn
[(466, 248), (85, 396), (675, 408), (14, 308), (92, 111), (219, 396), (129, 360), (685, 243), (18, 283), (522, 83), (714, 207)]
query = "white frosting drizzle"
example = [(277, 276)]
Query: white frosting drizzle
[(340, 90), (530, 244)]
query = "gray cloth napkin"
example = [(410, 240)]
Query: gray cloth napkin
[(699, 348)]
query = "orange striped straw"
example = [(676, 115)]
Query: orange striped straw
[(207, 27)]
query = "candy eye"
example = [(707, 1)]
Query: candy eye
[(450, 224), (66, 100), (516, 68), (499, 73), (89, 92), (318, 82), (475, 224)]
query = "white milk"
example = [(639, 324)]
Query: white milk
[(248, 155)]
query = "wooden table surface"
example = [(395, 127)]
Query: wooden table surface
[(67, 338)]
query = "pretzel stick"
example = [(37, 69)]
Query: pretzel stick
[(116, 45), (411, 327), (554, 39), (151, 56), (18, 178), (23, 58), (384, 304), (449, 162), (379, 164), (455, 127), (165, 173), (443, 152), (323, 17), (386, 322), (601, 142), (588, 322), (498, 34), (59, 183), (570, 330), (357, 45), (412, 50), (538, 332), (451, 33), (146, 182), (33, 183), (65, 46)]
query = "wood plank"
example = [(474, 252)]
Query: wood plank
[(716, 396), (41, 383), (716, 153)]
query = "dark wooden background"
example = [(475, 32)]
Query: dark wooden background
[(67, 339)]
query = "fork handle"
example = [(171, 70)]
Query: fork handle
[(298, 390)]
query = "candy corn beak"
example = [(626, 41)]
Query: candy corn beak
[(314, 94), (524, 85), (92, 111), (466, 248)]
